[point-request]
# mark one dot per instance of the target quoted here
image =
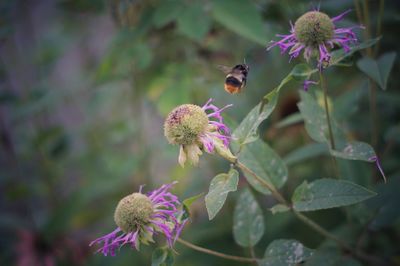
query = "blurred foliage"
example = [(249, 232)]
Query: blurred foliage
[(85, 87)]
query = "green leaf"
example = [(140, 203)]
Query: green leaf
[(220, 186), (315, 119), (341, 54), (279, 208), (166, 12), (246, 132), (306, 152), (355, 150), (329, 256), (328, 193), (248, 220), (378, 70), (385, 204), (283, 252), (290, 120), (162, 257), (348, 102), (301, 72), (194, 22), (186, 206), (266, 163), (241, 17)]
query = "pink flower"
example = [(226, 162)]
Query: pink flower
[(314, 33), (140, 216)]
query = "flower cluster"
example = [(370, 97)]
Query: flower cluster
[(139, 217), (197, 128), (315, 32)]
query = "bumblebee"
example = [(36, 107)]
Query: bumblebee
[(236, 77)]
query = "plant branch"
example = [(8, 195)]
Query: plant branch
[(379, 26), (275, 193), (321, 230), (328, 119), (216, 253)]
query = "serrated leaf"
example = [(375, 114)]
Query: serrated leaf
[(378, 70), (328, 193), (162, 257), (266, 163), (194, 22), (246, 132), (248, 220), (241, 17), (167, 11), (220, 186), (285, 252)]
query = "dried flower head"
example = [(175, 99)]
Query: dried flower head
[(315, 32), (139, 217), (191, 127)]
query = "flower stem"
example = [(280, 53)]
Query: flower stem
[(216, 253), (328, 119), (367, 24), (379, 27), (356, 253), (321, 230), (275, 193)]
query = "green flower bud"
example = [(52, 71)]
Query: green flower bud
[(184, 124), (314, 28), (133, 211)]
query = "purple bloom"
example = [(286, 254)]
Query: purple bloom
[(140, 217), (197, 128), (216, 129), (378, 165), (314, 32)]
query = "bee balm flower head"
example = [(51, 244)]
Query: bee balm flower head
[(140, 216), (315, 33), (197, 128)]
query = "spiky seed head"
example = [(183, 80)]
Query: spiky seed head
[(184, 124), (314, 28), (133, 211)]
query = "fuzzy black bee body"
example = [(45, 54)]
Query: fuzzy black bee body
[(236, 78)]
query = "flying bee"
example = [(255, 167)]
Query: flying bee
[(236, 77)]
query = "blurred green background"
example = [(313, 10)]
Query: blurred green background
[(85, 88)]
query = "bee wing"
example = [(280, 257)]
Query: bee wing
[(224, 69)]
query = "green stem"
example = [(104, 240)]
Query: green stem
[(321, 230), (373, 113), (275, 193), (367, 24), (379, 26), (216, 253), (358, 13), (328, 118)]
